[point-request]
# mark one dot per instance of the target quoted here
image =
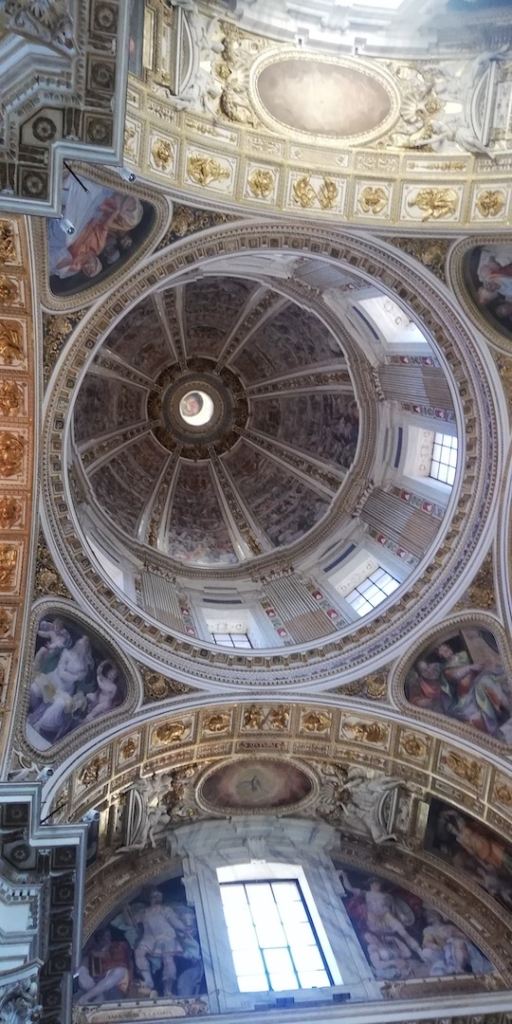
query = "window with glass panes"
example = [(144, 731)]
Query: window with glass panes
[(273, 942), (372, 591), (232, 640), (444, 458)]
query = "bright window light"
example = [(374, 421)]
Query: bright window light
[(232, 640), (273, 942), (444, 458), (372, 591), (379, 5)]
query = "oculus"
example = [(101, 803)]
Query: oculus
[(196, 408)]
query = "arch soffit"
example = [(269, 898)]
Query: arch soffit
[(452, 768)]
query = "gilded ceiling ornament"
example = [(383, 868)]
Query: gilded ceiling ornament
[(171, 732), (56, 331), (463, 767), (253, 717), (414, 746), (157, 687), (162, 153), (431, 252), (316, 721), (373, 199), (5, 621), (11, 511), (47, 579), (374, 687), (7, 245), (218, 723), (91, 773), (305, 194), (10, 344), (503, 793), (128, 749), (278, 718), (8, 290), (481, 592), (435, 202), (11, 397), (261, 183), (12, 448), (204, 169), (491, 202), (365, 732)]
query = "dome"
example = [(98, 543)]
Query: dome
[(250, 446), (224, 397)]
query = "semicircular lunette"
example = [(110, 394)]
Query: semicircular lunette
[(75, 680), (461, 675)]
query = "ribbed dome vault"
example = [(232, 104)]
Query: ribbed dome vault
[(218, 421)]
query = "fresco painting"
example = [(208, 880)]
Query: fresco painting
[(255, 783), (487, 271), (463, 677), (471, 848), (149, 948), (109, 227), (74, 681), (402, 936)]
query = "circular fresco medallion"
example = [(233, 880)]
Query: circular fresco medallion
[(254, 784), (328, 98)]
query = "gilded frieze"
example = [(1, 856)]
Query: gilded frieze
[(17, 451), (333, 160)]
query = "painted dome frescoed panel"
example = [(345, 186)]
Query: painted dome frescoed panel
[(323, 97)]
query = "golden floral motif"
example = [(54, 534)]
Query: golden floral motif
[(8, 562), (10, 344), (91, 773), (491, 202), (171, 732), (316, 721), (11, 511), (6, 615), (218, 723), (11, 397), (8, 290), (414, 746), (162, 153), (373, 199), (12, 449), (305, 194), (464, 768), (128, 749), (435, 203), (7, 246), (365, 732), (261, 183), (204, 170)]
